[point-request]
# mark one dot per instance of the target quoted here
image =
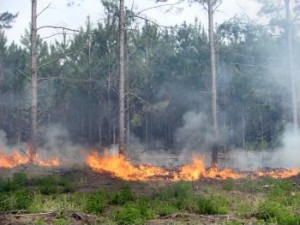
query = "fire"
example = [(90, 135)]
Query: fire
[(223, 174), (277, 174), (192, 171), (120, 167), (16, 158)]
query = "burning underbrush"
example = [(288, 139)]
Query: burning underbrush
[(119, 166), (17, 158)]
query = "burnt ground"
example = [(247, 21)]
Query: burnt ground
[(88, 181)]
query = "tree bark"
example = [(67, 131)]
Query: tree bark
[(213, 82), (291, 64), (33, 140), (122, 81)]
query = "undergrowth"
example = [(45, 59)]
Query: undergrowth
[(276, 201)]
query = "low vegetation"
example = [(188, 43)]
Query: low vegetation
[(263, 200)]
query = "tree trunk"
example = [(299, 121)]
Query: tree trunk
[(33, 80), (122, 81), (213, 81), (90, 125), (291, 64)]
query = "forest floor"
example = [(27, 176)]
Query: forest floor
[(81, 196)]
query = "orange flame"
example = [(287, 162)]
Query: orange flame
[(277, 174), (16, 158), (119, 167)]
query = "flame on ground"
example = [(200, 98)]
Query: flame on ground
[(120, 167), (16, 159), (277, 174)]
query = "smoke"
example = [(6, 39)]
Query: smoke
[(285, 156), (289, 154), (55, 140), (195, 137), (196, 133)]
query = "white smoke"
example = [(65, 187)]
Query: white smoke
[(286, 156), (196, 134)]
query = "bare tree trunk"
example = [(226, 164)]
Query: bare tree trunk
[(90, 95), (213, 81), (122, 81), (33, 80), (291, 64), (127, 98)]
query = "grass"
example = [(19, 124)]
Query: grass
[(272, 201), (212, 205)]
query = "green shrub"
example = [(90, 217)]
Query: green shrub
[(180, 190), (96, 202), (66, 184), (284, 192), (20, 179), (5, 202), (123, 196), (164, 208), (52, 184), (228, 185), (250, 185), (273, 212), (20, 199), (233, 222), (2, 184), (212, 205), (23, 199), (132, 213), (39, 222), (48, 185), (180, 196), (183, 190), (48, 189)]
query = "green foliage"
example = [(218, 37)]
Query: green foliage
[(180, 196), (233, 222), (161, 63), (163, 208), (273, 212), (183, 190), (123, 196), (6, 19), (40, 222), (250, 185), (61, 219), (58, 202), (48, 185), (284, 192), (16, 200), (53, 184), (212, 205), (18, 181), (180, 190), (228, 185), (96, 202), (132, 213)]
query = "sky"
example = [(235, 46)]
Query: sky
[(75, 16)]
